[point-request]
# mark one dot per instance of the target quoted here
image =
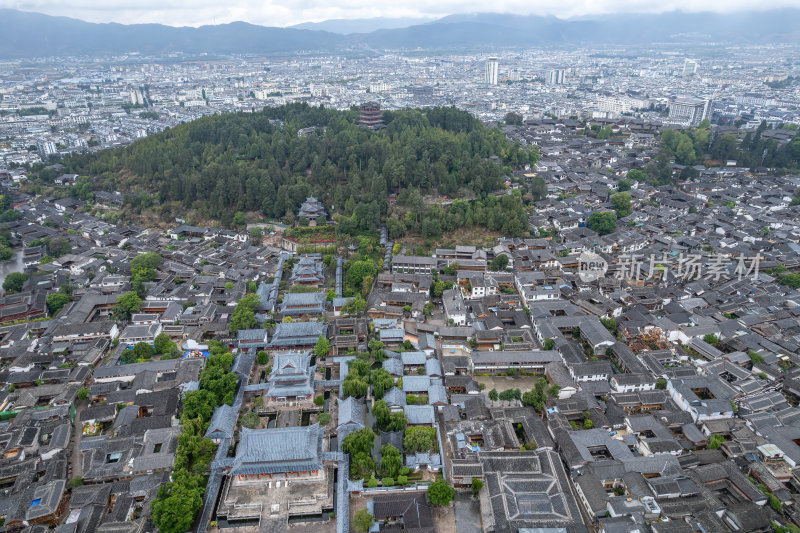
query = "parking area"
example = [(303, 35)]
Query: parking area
[(468, 513)]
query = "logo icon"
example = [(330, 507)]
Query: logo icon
[(591, 267)]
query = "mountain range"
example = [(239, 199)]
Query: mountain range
[(348, 26), (27, 34)]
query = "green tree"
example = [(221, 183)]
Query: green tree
[(319, 401), (56, 301), (381, 413), (193, 453), (622, 204), (362, 521), (354, 306), (715, 441), (250, 420), (390, 460), (587, 424), (381, 382), (419, 439), (755, 357), (397, 422), (477, 485), (513, 119), (239, 219), (355, 385), (83, 393), (217, 379), (142, 350), (499, 263), (178, 501), (636, 175), (440, 493), (661, 383), (127, 304), (163, 344), (322, 347), (358, 271), (75, 481), (538, 188), (262, 357), (548, 344), (603, 222), (149, 260), (711, 338), (324, 419), (493, 395), (358, 441), (244, 315), (624, 185), (14, 282)]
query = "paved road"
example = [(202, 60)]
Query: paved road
[(468, 513)]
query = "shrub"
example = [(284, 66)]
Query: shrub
[(440, 493), (477, 485), (387, 482)]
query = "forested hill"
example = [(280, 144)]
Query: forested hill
[(257, 162)]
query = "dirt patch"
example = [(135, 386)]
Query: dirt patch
[(445, 519), (357, 502), (476, 236), (501, 383)]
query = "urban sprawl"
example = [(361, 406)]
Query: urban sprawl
[(625, 359)]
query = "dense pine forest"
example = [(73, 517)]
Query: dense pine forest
[(257, 162)]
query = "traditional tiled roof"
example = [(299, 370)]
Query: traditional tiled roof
[(266, 451), (222, 423), (297, 334), (351, 411)]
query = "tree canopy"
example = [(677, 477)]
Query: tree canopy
[(603, 222), (240, 162), (127, 304), (244, 315), (14, 282), (440, 493), (622, 204)]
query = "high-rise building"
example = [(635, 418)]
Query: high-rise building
[(492, 71), (370, 116), (689, 67), (555, 76), (46, 148), (689, 111)]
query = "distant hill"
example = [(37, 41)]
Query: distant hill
[(27, 34), (33, 34), (348, 26), (514, 30)]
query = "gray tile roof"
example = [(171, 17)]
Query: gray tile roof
[(262, 451)]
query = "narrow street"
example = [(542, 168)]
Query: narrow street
[(77, 431)]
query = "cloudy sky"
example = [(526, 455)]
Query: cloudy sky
[(288, 12)]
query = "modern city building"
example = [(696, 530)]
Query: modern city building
[(689, 111), (555, 76), (492, 71)]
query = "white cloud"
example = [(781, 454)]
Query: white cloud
[(287, 12)]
